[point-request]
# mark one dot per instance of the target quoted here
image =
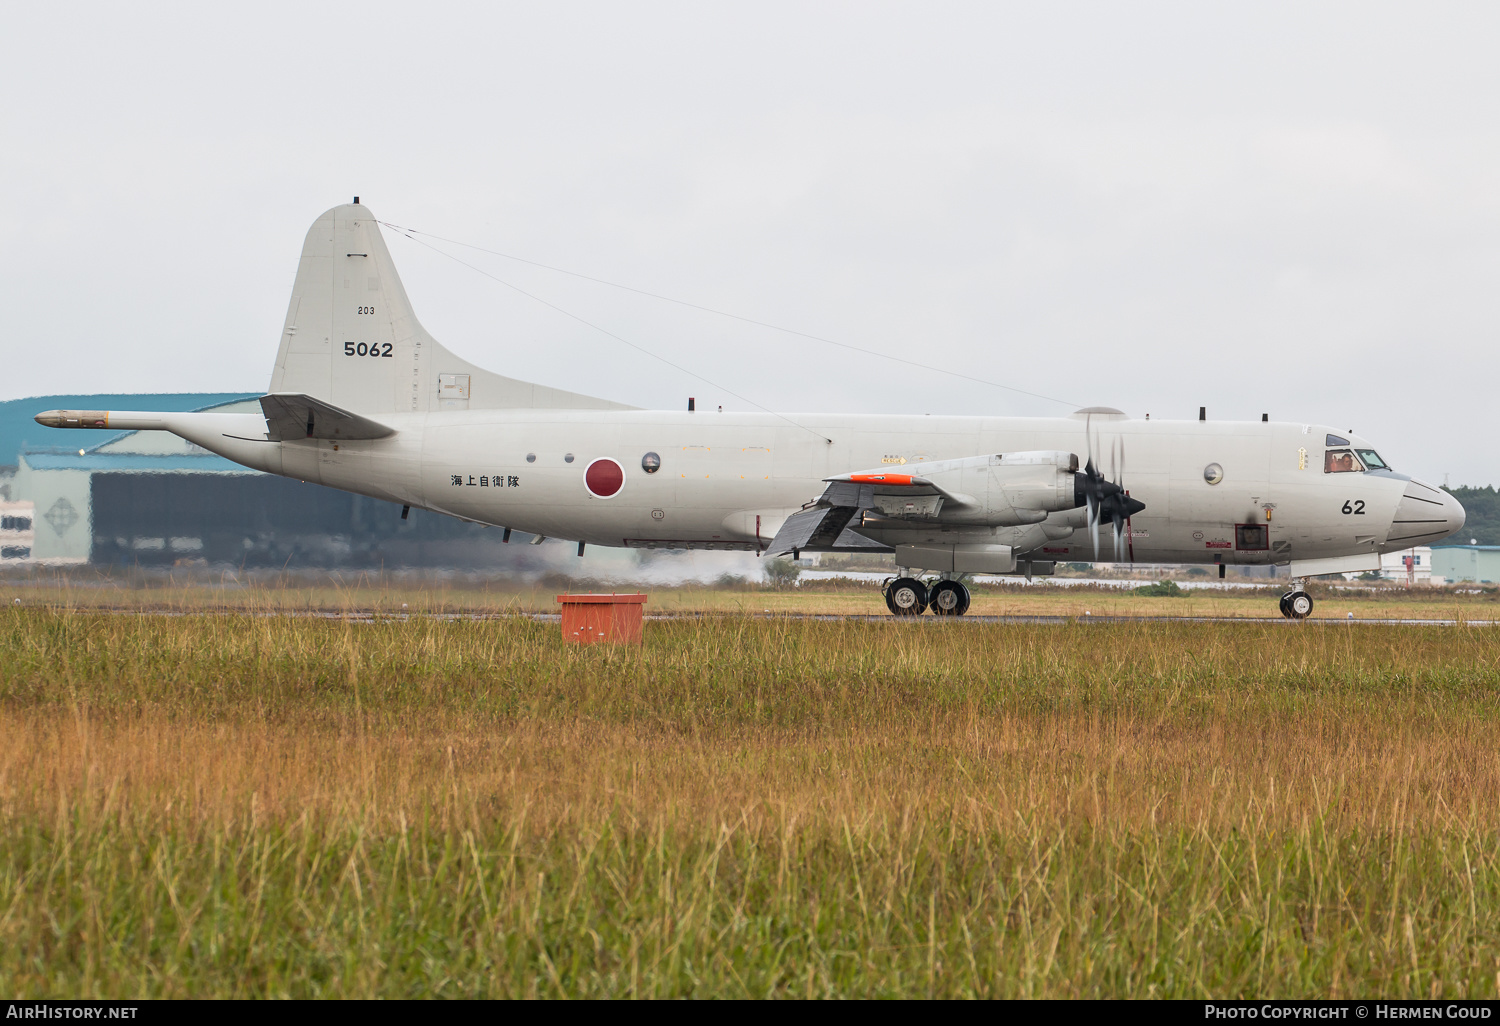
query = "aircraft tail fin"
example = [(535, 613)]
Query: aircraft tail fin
[(352, 340)]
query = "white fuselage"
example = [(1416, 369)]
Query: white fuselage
[(728, 480)]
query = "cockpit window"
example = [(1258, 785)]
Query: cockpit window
[(1372, 459), (1333, 440), (1340, 461)]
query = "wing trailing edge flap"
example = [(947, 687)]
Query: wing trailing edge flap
[(291, 415), (851, 540), (815, 528), (825, 526)]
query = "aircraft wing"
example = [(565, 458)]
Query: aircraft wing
[(881, 488), (291, 415)]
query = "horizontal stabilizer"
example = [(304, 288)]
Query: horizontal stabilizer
[(291, 416)]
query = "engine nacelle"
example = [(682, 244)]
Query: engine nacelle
[(1033, 481), (1004, 490)]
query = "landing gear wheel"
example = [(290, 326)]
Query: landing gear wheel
[(948, 598), (1296, 605), (906, 596)]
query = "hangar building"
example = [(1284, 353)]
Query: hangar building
[(1477, 563)]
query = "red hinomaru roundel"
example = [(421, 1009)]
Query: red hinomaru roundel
[(604, 478)]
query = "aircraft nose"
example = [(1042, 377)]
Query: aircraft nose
[(1453, 512), (1424, 514)]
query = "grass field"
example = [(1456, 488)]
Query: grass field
[(215, 805)]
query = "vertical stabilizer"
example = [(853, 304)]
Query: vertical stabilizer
[(352, 339)]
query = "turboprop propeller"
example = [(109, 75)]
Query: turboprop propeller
[(1106, 498)]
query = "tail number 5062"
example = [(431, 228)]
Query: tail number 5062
[(367, 349)]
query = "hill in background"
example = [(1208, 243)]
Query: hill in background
[(1483, 525)]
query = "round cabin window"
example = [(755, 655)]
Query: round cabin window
[(604, 478), (531, 457), (650, 463), (1213, 473), (568, 458)]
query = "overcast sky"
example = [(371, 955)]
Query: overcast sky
[(1289, 209)]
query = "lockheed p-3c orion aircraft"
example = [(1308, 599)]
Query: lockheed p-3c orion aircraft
[(362, 398)]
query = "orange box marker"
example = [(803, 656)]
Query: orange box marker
[(591, 619)]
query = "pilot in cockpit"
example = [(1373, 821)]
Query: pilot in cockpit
[(1340, 461)]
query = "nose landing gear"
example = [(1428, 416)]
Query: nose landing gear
[(907, 596), (1296, 604)]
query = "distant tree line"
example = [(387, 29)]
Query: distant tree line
[(1483, 524)]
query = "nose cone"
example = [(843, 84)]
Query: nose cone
[(1425, 514), (1454, 512)]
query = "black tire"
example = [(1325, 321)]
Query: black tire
[(1299, 605), (906, 596), (948, 598), (1285, 611)]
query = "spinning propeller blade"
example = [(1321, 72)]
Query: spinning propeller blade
[(1093, 518), (1107, 497)]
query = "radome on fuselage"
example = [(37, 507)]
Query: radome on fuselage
[(364, 400)]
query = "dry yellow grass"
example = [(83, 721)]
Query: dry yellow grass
[(1070, 769)]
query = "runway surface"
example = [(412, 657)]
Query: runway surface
[(381, 616), (1047, 620)]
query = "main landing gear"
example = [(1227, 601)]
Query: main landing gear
[(1296, 604), (907, 596)]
